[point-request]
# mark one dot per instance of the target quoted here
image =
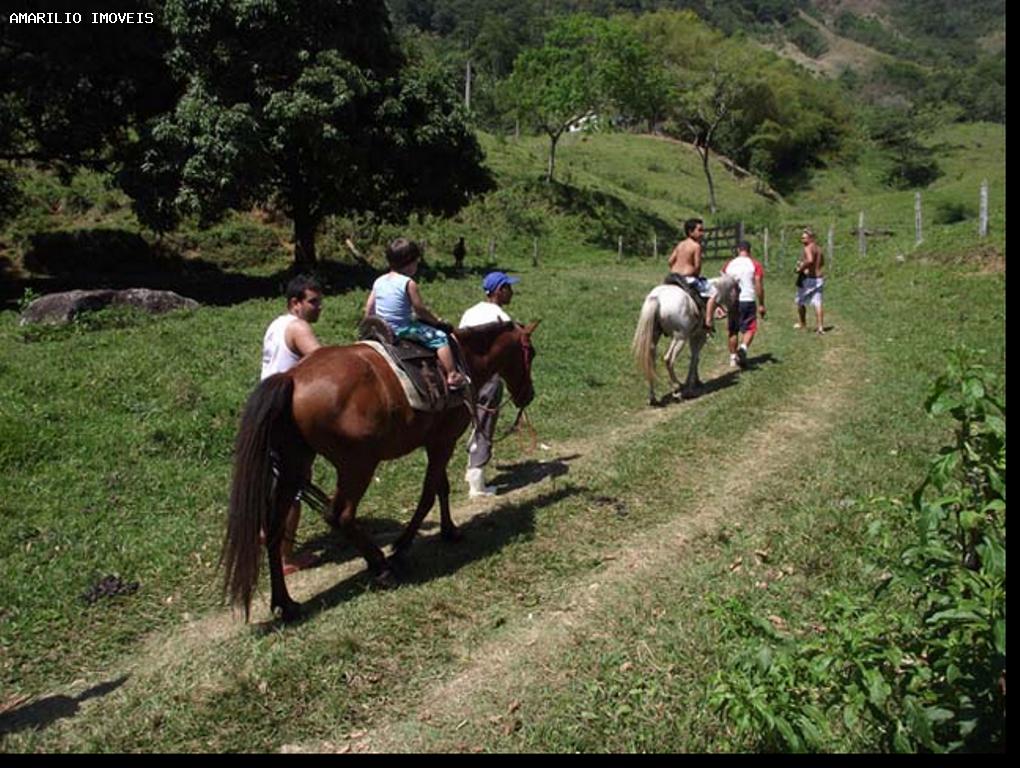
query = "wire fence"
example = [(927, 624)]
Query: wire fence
[(843, 240)]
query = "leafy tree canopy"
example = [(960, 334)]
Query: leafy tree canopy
[(74, 92), (309, 105), (778, 120), (585, 65)]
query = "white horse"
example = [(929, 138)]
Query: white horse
[(669, 309)]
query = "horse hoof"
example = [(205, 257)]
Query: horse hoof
[(287, 612), (385, 579), (451, 534), (397, 562)]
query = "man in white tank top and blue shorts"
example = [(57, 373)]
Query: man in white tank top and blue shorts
[(287, 340)]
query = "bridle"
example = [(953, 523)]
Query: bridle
[(527, 354)]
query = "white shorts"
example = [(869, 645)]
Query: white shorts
[(810, 292)]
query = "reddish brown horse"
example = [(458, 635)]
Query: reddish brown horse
[(346, 404)]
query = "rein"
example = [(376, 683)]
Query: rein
[(522, 418), (521, 422)]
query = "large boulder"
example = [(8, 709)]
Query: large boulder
[(62, 308)]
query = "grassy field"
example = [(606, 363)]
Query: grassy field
[(590, 602)]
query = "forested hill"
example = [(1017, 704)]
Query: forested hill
[(311, 110), (943, 54)]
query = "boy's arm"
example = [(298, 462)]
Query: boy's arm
[(423, 312), (370, 304)]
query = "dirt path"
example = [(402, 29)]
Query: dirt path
[(211, 630), (192, 654), (500, 670)]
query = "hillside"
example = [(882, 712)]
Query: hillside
[(612, 185), (638, 566)]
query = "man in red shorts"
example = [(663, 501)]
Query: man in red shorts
[(744, 322)]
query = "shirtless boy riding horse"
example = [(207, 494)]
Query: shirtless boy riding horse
[(685, 261)]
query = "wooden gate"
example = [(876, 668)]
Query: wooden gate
[(721, 242)]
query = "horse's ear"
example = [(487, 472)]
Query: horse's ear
[(530, 327)]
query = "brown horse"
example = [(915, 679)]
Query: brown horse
[(346, 404)]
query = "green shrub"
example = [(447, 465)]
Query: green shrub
[(920, 662), (953, 212), (808, 39), (237, 243)]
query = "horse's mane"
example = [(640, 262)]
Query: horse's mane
[(479, 338), (724, 284)]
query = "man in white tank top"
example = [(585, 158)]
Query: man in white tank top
[(290, 336), (288, 339)]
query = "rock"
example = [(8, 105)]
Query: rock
[(62, 308)]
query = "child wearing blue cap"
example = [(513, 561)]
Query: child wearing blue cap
[(395, 296), (498, 294)]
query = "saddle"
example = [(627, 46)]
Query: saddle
[(674, 279), (415, 364)]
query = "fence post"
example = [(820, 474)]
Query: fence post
[(917, 219), (492, 251), (829, 243), (467, 86), (655, 246), (619, 248), (765, 246), (534, 252), (983, 226), (782, 247), (862, 241)]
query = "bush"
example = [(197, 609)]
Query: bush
[(806, 37), (920, 662), (237, 243), (953, 212), (913, 169)]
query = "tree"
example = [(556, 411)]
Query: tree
[(711, 98), (732, 97), (308, 105), (585, 65), (78, 90), (74, 95), (553, 86)]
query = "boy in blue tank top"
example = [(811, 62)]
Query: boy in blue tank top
[(396, 299)]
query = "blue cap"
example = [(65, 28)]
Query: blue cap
[(494, 280)]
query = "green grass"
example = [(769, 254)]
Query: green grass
[(115, 456)]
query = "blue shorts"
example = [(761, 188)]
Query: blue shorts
[(745, 318), (701, 285), (433, 338)]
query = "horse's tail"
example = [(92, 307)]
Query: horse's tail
[(251, 492), (643, 345)]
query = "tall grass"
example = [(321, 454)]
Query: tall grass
[(115, 446)]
